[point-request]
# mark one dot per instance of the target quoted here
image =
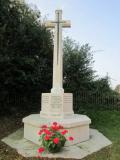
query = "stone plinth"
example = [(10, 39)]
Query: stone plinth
[(56, 105), (77, 125)]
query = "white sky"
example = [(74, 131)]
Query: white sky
[(95, 22)]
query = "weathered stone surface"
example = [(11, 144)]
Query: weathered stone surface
[(26, 148)]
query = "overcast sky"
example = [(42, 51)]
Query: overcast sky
[(96, 22)]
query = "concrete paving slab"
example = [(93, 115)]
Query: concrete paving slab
[(26, 148)]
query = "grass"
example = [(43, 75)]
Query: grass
[(107, 122)]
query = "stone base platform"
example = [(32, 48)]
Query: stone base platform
[(77, 126), (26, 148)]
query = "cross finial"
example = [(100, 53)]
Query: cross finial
[(51, 24)]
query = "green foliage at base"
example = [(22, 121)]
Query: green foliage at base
[(51, 146)]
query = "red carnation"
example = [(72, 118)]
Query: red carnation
[(47, 131), (55, 128), (41, 149), (61, 127), (55, 123), (47, 138), (44, 126), (56, 140), (70, 138), (64, 132), (40, 132)]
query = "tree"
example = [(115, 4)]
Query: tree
[(25, 49), (78, 60), (117, 88), (102, 84), (78, 69)]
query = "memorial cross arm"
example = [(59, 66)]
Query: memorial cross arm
[(49, 24), (66, 24)]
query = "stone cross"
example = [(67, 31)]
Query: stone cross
[(58, 24), (57, 105)]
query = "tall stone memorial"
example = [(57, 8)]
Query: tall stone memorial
[(57, 105)]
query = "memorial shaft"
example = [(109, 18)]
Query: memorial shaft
[(58, 24), (58, 56)]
